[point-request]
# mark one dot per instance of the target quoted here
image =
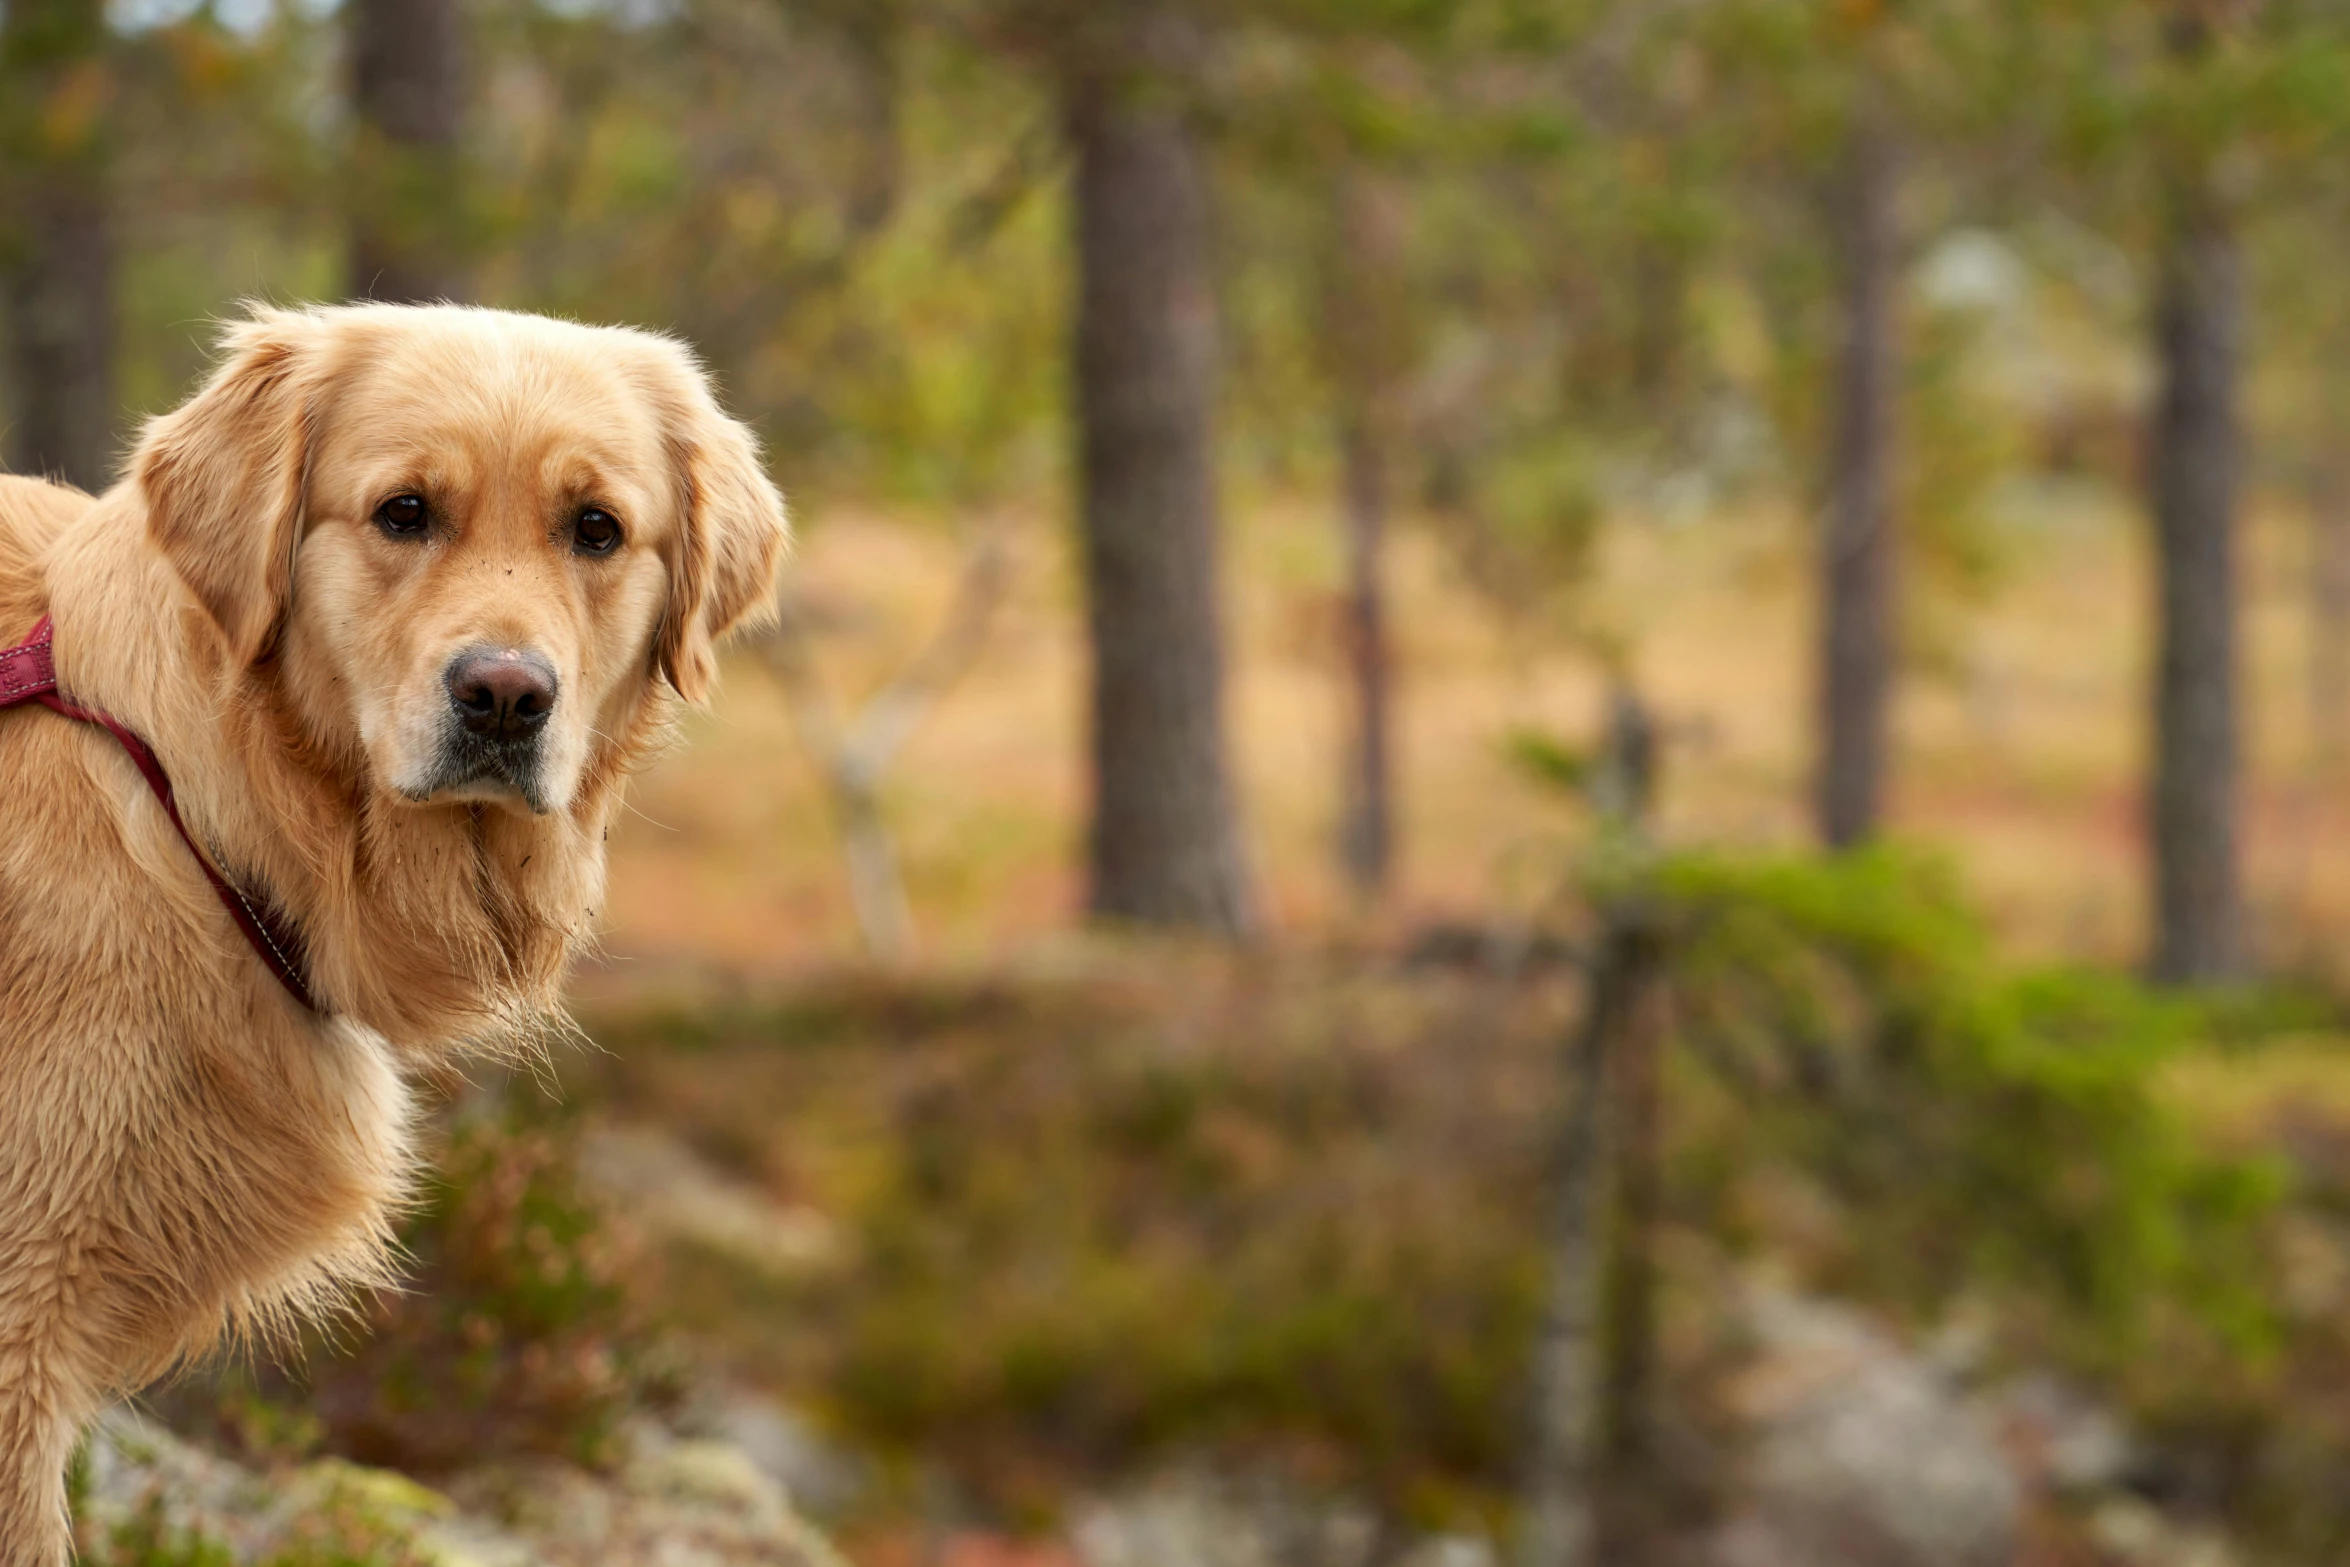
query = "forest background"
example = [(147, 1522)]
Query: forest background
[(1460, 674)]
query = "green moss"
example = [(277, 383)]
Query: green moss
[(148, 1539)]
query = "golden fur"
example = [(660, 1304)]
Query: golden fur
[(184, 1151)]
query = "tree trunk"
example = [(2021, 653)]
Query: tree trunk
[(1367, 837), (2329, 625), (408, 92), (1555, 1523), (58, 244), (1626, 1518), (2193, 465), (1165, 842), (1858, 635), (1360, 326), (1589, 1404), (871, 33)]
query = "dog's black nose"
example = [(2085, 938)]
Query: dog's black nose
[(501, 693)]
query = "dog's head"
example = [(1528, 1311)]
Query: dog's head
[(468, 542)]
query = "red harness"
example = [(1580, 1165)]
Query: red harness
[(28, 673)]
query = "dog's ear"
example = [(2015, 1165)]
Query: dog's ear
[(731, 535), (224, 475)]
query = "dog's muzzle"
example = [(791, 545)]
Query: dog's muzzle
[(499, 703)]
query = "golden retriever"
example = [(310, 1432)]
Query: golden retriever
[(398, 599)]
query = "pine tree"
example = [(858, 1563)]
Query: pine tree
[(56, 237)]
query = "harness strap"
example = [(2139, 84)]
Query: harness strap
[(28, 673)]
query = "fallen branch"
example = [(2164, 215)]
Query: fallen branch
[(853, 753)]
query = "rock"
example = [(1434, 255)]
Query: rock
[(1864, 1454), (675, 1503), (1200, 1520), (678, 1195), (717, 1473), (550, 1503), (1450, 1550), (468, 1542), (820, 1478), (379, 1493), (136, 1475), (143, 1484), (2065, 1441), (2134, 1534)]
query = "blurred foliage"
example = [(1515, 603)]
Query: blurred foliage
[(1549, 760), (518, 1332), (1086, 1225), (1606, 290), (1294, 1213), (341, 1534), (149, 1540), (522, 1327), (1985, 1131)]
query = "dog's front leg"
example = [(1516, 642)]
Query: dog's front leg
[(43, 1407), (36, 1443)]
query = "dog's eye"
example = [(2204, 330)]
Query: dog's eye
[(403, 514), (595, 531)]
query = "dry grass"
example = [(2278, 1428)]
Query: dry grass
[(2019, 739)]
